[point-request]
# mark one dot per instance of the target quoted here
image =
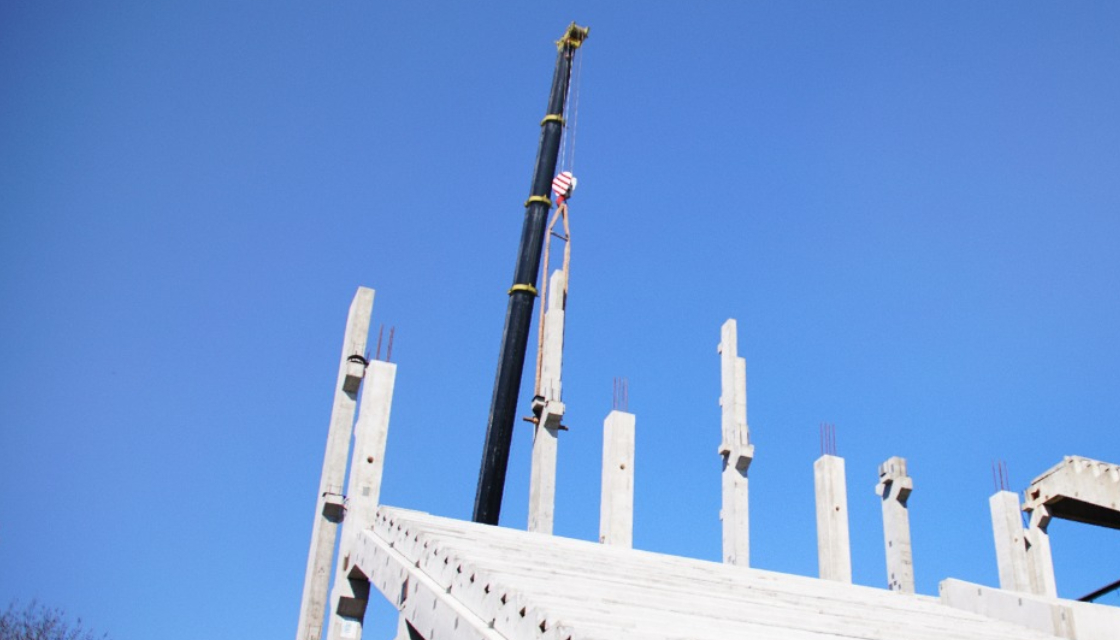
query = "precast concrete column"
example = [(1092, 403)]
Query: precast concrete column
[(329, 505), (735, 449), (1011, 547), (834, 554), (350, 594), (542, 475), (1040, 564), (616, 507), (894, 488)]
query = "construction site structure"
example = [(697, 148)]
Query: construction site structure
[(515, 335), (455, 580)]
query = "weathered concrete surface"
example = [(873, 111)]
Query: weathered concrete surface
[(1011, 546), (894, 488), (328, 506), (459, 580), (1055, 616), (542, 474), (834, 554), (735, 449), (616, 507), (1040, 563), (1078, 489), (363, 493)]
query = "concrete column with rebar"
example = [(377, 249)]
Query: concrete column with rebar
[(834, 554), (350, 594), (616, 507)]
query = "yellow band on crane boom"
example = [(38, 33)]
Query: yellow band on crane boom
[(543, 199), (553, 117), (524, 287)]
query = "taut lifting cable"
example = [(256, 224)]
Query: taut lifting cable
[(571, 107), (561, 214)]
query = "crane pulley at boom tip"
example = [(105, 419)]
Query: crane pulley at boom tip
[(515, 336), (573, 37)]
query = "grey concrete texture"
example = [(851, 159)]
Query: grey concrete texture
[(324, 531), (735, 449), (894, 488), (616, 506), (834, 551), (363, 494)]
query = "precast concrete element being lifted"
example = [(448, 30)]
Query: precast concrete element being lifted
[(515, 335), (549, 411)]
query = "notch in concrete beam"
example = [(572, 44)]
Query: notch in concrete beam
[(355, 371)]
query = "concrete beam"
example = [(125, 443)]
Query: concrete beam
[(455, 580), (550, 410), (735, 449), (1011, 547), (1078, 489), (834, 554), (894, 488), (328, 512), (1055, 616), (616, 508), (350, 594)]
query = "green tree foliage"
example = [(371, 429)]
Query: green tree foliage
[(36, 622)]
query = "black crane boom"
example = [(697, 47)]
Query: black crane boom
[(515, 335)]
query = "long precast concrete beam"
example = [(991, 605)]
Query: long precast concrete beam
[(454, 579), (329, 503)]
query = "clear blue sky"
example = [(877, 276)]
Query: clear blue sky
[(913, 212)]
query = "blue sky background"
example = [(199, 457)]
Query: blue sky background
[(912, 211)]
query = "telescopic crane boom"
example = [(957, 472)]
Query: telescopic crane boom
[(515, 335)]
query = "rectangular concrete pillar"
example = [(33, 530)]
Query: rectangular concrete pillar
[(1040, 564), (329, 505), (834, 554), (1011, 547), (363, 493), (542, 474), (894, 488), (616, 508), (735, 449)]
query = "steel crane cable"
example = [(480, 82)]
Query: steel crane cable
[(563, 186), (571, 110)]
